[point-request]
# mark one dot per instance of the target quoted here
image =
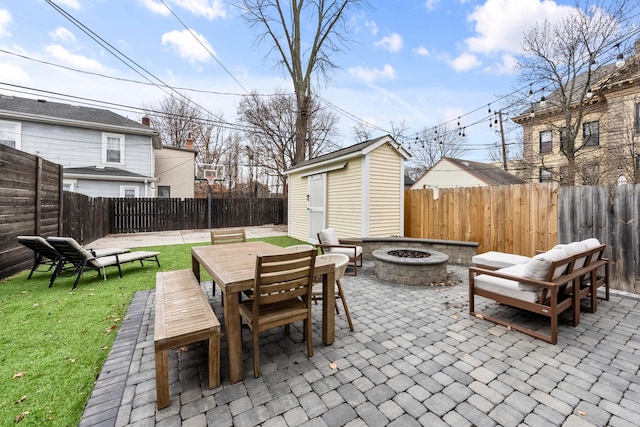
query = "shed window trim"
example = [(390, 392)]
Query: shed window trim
[(325, 169)]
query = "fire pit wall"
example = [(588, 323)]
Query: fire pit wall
[(458, 252)]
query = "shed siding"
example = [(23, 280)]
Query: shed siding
[(344, 199), (298, 216), (384, 192)]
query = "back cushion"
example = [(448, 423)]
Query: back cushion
[(538, 267), (575, 248), (328, 237), (591, 243)]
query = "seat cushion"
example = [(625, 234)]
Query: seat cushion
[(538, 267), (346, 251), (499, 259), (506, 287), (328, 237)]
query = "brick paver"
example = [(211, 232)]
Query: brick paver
[(416, 358)]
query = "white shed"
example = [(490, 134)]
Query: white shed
[(358, 191)]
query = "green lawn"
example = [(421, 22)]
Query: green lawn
[(53, 341)]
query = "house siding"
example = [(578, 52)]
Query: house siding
[(298, 216), (175, 169), (385, 200), (344, 200), (446, 174)]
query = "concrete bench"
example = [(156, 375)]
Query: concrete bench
[(183, 316)]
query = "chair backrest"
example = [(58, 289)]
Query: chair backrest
[(40, 246), (228, 235), (328, 237), (283, 277), (298, 248), (339, 260), (70, 250)]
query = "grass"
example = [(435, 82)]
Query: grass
[(54, 341)]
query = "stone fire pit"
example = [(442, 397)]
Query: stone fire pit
[(410, 266)]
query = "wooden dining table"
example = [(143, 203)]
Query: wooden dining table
[(232, 268)]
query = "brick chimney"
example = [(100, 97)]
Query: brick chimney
[(146, 121), (189, 142)]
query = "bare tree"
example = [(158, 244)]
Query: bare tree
[(271, 130), (303, 54), (564, 57), (174, 118), (432, 144)]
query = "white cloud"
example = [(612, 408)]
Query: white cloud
[(431, 4), (73, 4), (500, 24), (5, 20), (373, 74), (156, 7), (187, 47), (210, 9), (13, 73), (392, 42), (74, 60), (372, 26), (63, 34), (421, 51), (465, 62), (508, 66)]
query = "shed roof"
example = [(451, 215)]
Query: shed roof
[(356, 150)]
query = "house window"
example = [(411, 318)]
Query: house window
[(113, 148), (69, 184), (10, 133), (546, 137), (164, 191), (128, 191), (637, 118), (591, 133), (545, 175)]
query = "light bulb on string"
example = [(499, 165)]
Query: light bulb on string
[(489, 108)]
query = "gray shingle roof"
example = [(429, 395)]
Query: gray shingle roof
[(43, 108), (102, 171), (488, 173)]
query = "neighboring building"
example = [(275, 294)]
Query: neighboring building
[(608, 136), (175, 172), (103, 154), (449, 172), (358, 191)]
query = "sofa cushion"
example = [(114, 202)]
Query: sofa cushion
[(498, 259), (574, 248), (538, 267), (506, 287), (328, 237), (592, 243), (346, 251)]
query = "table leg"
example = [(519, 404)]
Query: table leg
[(329, 307), (195, 267), (233, 335)]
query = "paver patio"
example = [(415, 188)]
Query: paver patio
[(416, 358)]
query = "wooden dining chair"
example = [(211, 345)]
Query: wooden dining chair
[(228, 235), (282, 295)]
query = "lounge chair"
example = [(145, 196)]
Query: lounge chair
[(76, 259), (46, 255)]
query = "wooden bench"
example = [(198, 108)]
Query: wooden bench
[(183, 316)]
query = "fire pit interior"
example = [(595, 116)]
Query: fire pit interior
[(409, 266)]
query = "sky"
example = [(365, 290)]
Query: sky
[(417, 62)]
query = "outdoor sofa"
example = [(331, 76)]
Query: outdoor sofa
[(548, 283)]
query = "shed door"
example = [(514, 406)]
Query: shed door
[(317, 204)]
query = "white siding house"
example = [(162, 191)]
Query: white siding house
[(103, 154), (449, 172), (358, 191)]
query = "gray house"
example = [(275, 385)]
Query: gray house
[(103, 154)]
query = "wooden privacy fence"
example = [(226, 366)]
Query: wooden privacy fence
[(139, 215), (516, 218), (521, 219), (30, 203)]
